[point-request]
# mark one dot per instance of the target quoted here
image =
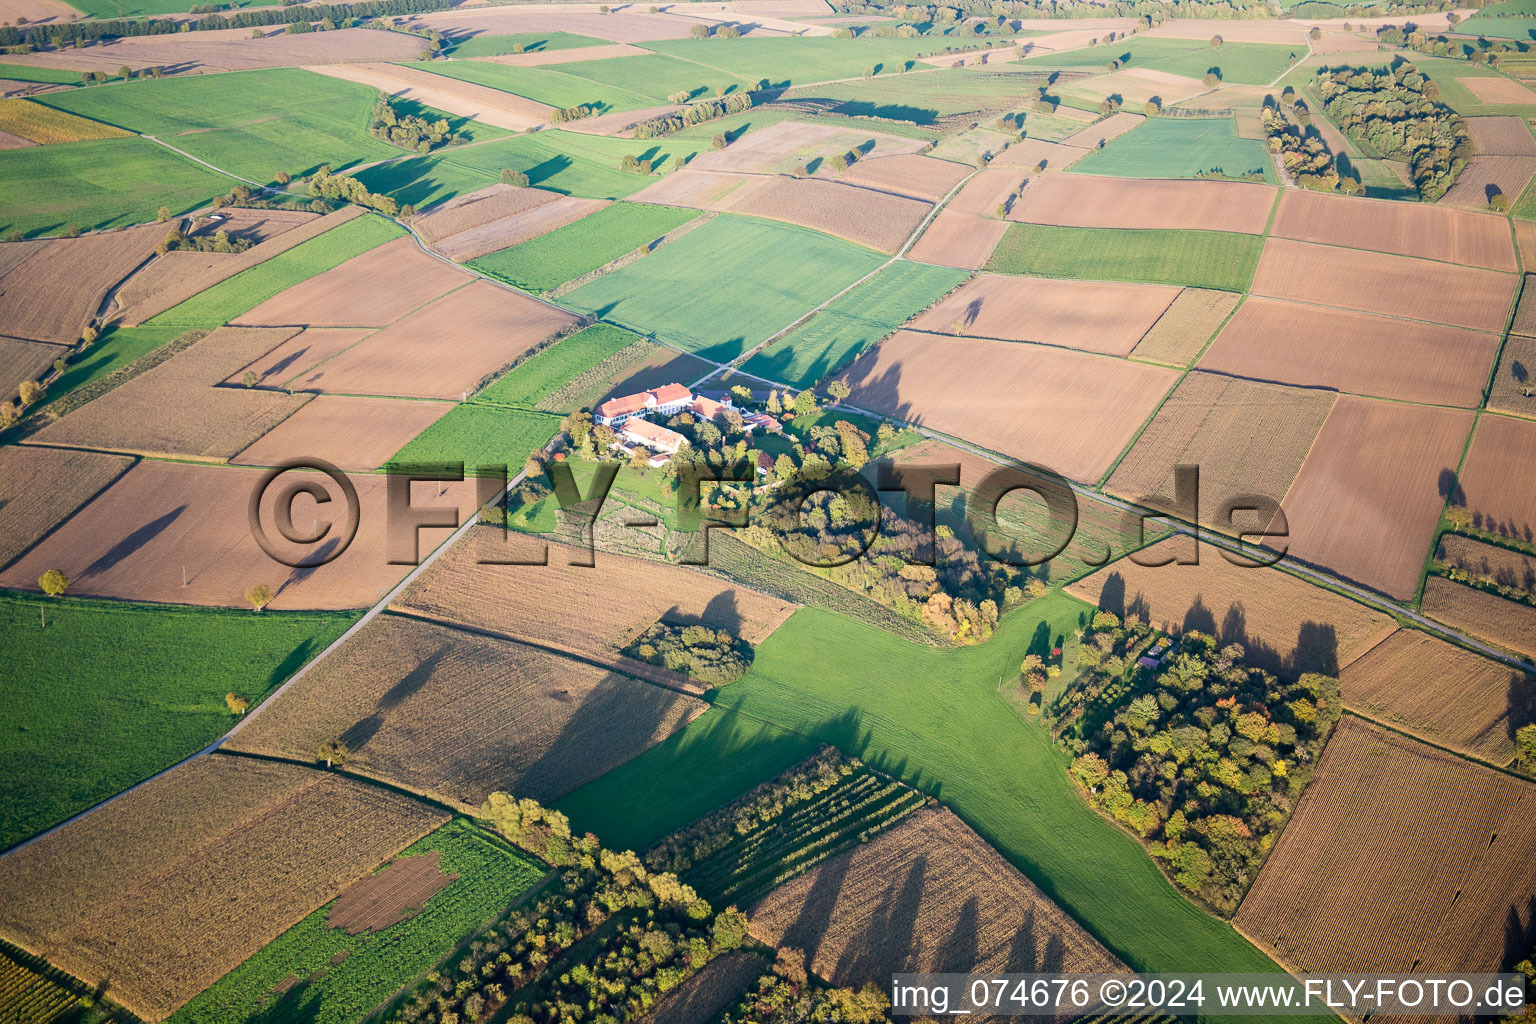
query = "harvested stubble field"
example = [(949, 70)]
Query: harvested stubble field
[(1399, 858), (1493, 478), (565, 253), (443, 350), (986, 191), (1089, 201), (921, 177), (1091, 316), (23, 361), (232, 50), (780, 148), (800, 269), (392, 895), (961, 240), (1110, 128), (1138, 85), (1067, 411), (1501, 136), (1508, 567), (477, 209), (569, 374), (1285, 624), (371, 290), (1401, 681), (1356, 353), (1487, 176), (705, 995), (1368, 499), (52, 293), (179, 533), (841, 332), (349, 432), (517, 228), (1382, 283), (175, 277), (1182, 331), (1205, 259), (302, 352), (499, 49), (1038, 155), (464, 99), (928, 895), (46, 126), (1486, 616), (1247, 438), (456, 715), (1496, 90), (176, 407), (267, 277), (165, 890), (40, 487), (552, 598), (1403, 229), (879, 220), (1516, 372)]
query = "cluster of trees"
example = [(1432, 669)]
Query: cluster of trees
[(711, 656), (1305, 155), (788, 995), (1205, 754), (1505, 584), (632, 164), (575, 113), (326, 185), (702, 31), (714, 832), (1394, 109), (409, 131), (696, 113), (661, 932), (219, 241)]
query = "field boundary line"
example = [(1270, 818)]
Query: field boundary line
[(1436, 744), (196, 160)]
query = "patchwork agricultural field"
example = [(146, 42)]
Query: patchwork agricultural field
[(261, 765)]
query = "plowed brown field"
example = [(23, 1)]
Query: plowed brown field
[(1507, 567), (52, 294), (23, 361), (1516, 373), (1487, 176), (1092, 316), (1247, 438), (1090, 201), (476, 209), (962, 907), (1403, 229), (1501, 136), (907, 174), (302, 352), (960, 240), (40, 487), (458, 715), (1354, 352), (1030, 154), (1399, 858), (1486, 616), (1495, 89), (350, 433), (231, 50), (1403, 682), (1380, 283), (982, 195), (1285, 624), (492, 106), (1368, 500), (780, 148), (371, 290), (1181, 332), (1138, 85), (180, 534), (444, 349), (160, 893), (1495, 477), (518, 228), (1067, 411), (1107, 130), (879, 220), (394, 894)]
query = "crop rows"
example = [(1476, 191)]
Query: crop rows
[(770, 854), (28, 996)]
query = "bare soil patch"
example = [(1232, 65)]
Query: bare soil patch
[(22, 360), (1090, 201), (179, 534), (1138, 85), (395, 894), (52, 294), (1184, 328), (41, 487), (165, 890), (1486, 616), (1381, 283), (459, 715), (1516, 374), (1038, 155), (1369, 497), (1493, 478), (1284, 623), (1354, 352), (302, 352), (1112, 127), (782, 147), (906, 174), (1497, 89), (962, 907), (879, 220), (477, 209), (443, 350), (466, 99), (232, 50), (986, 191), (1068, 411), (1091, 316), (1399, 858), (960, 240), (350, 433), (1487, 176), (371, 290), (518, 228), (1234, 31), (1501, 136), (1504, 566)]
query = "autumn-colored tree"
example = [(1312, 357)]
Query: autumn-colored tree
[(30, 391), (237, 704), (260, 595), (334, 753), (53, 582)]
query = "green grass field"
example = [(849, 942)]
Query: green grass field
[(581, 247), (543, 85), (30, 73), (250, 123), (1444, 72), (111, 692), (1514, 19), (713, 760), (115, 349), (941, 724), (373, 965), (479, 435), (565, 162), (834, 337), (248, 289), (535, 380), (107, 183), (1204, 259), (802, 59), (1179, 147), (1238, 63), (139, 8), (531, 42), (726, 286), (657, 76), (923, 99)]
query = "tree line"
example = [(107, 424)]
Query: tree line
[(1395, 110)]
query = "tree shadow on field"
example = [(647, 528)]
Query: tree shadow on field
[(360, 732), (880, 392), (1521, 700), (885, 944), (547, 169), (1519, 935), (132, 543), (299, 1005), (291, 663)]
